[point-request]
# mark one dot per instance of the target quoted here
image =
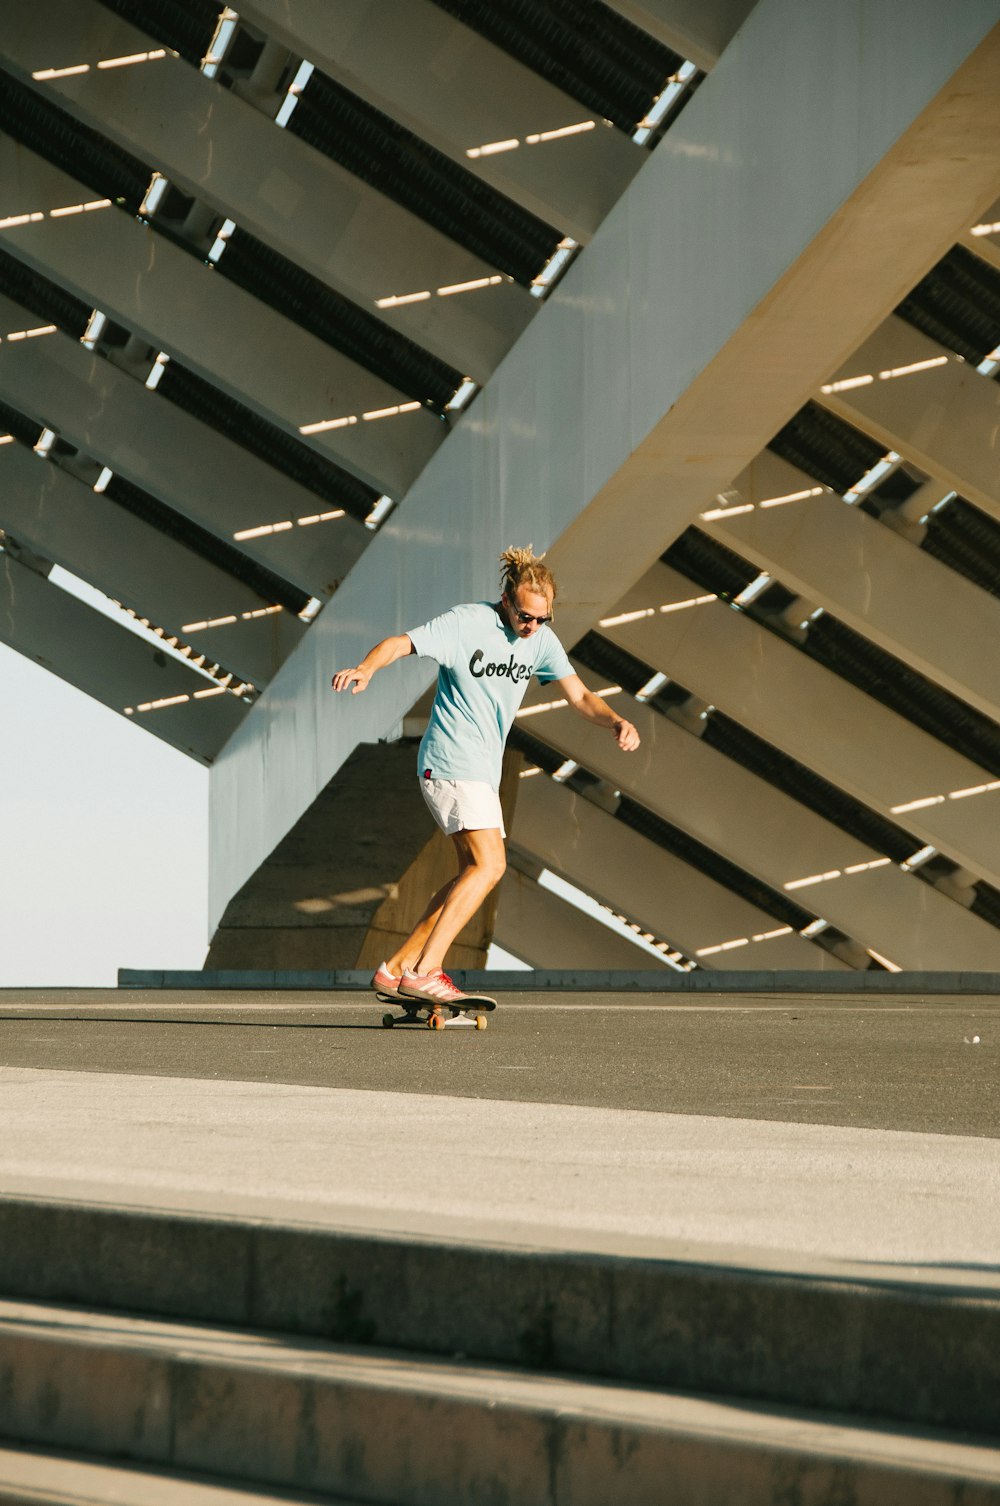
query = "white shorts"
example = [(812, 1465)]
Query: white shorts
[(463, 805)]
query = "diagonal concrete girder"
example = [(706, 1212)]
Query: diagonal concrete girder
[(771, 835), (697, 29), (418, 65), (867, 575), (109, 415), (182, 306), (803, 708), (574, 838), (112, 664), (544, 930), (714, 382), (62, 519), (225, 153), (985, 245), (943, 417), (731, 279)]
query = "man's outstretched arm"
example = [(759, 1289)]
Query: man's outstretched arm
[(591, 706), (386, 652)]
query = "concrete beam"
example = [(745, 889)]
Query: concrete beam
[(868, 576), (182, 306), (722, 290), (774, 837), (225, 153), (759, 318), (808, 711), (427, 71), (943, 417), (61, 518), (985, 246), (540, 928), (697, 29), (112, 664), (574, 838), (109, 415)]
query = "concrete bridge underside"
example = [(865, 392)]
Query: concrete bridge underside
[(752, 423)]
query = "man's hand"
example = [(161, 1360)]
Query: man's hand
[(386, 652), (356, 678), (594, 709), (626, 736)]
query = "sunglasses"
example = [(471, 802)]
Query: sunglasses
[(526, 617)]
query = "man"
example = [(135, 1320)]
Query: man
[(487, 652)]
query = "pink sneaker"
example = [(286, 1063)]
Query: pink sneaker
[(385, 984), (435, 989)]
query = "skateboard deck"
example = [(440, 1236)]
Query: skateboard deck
[(472, 1012)]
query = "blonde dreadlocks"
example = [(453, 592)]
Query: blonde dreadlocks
[(522, 567)]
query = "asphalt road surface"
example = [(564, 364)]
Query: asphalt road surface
[(901, 1063)]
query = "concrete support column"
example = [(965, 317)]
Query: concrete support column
[(433, 867), (311, 902)]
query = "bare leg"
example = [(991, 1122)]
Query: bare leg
[(481, 865), (409, 952)]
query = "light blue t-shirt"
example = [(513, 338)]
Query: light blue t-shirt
[(485, 671)]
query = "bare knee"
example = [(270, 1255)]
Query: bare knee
[(483, 854), (494, 868), (489, 869)]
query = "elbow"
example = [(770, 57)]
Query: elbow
[(396, 647)]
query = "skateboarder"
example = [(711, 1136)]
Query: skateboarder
[(487, 653)]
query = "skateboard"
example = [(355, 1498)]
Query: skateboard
[(473, 1011)]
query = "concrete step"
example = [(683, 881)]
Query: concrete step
[(877, 1344), (412, 1430), (61, 1479)]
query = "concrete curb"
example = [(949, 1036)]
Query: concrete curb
[(534, 981), (891, 1349)]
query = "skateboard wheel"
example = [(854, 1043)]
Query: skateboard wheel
[(480, 1022), (435, 1022), (388, 1021)]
